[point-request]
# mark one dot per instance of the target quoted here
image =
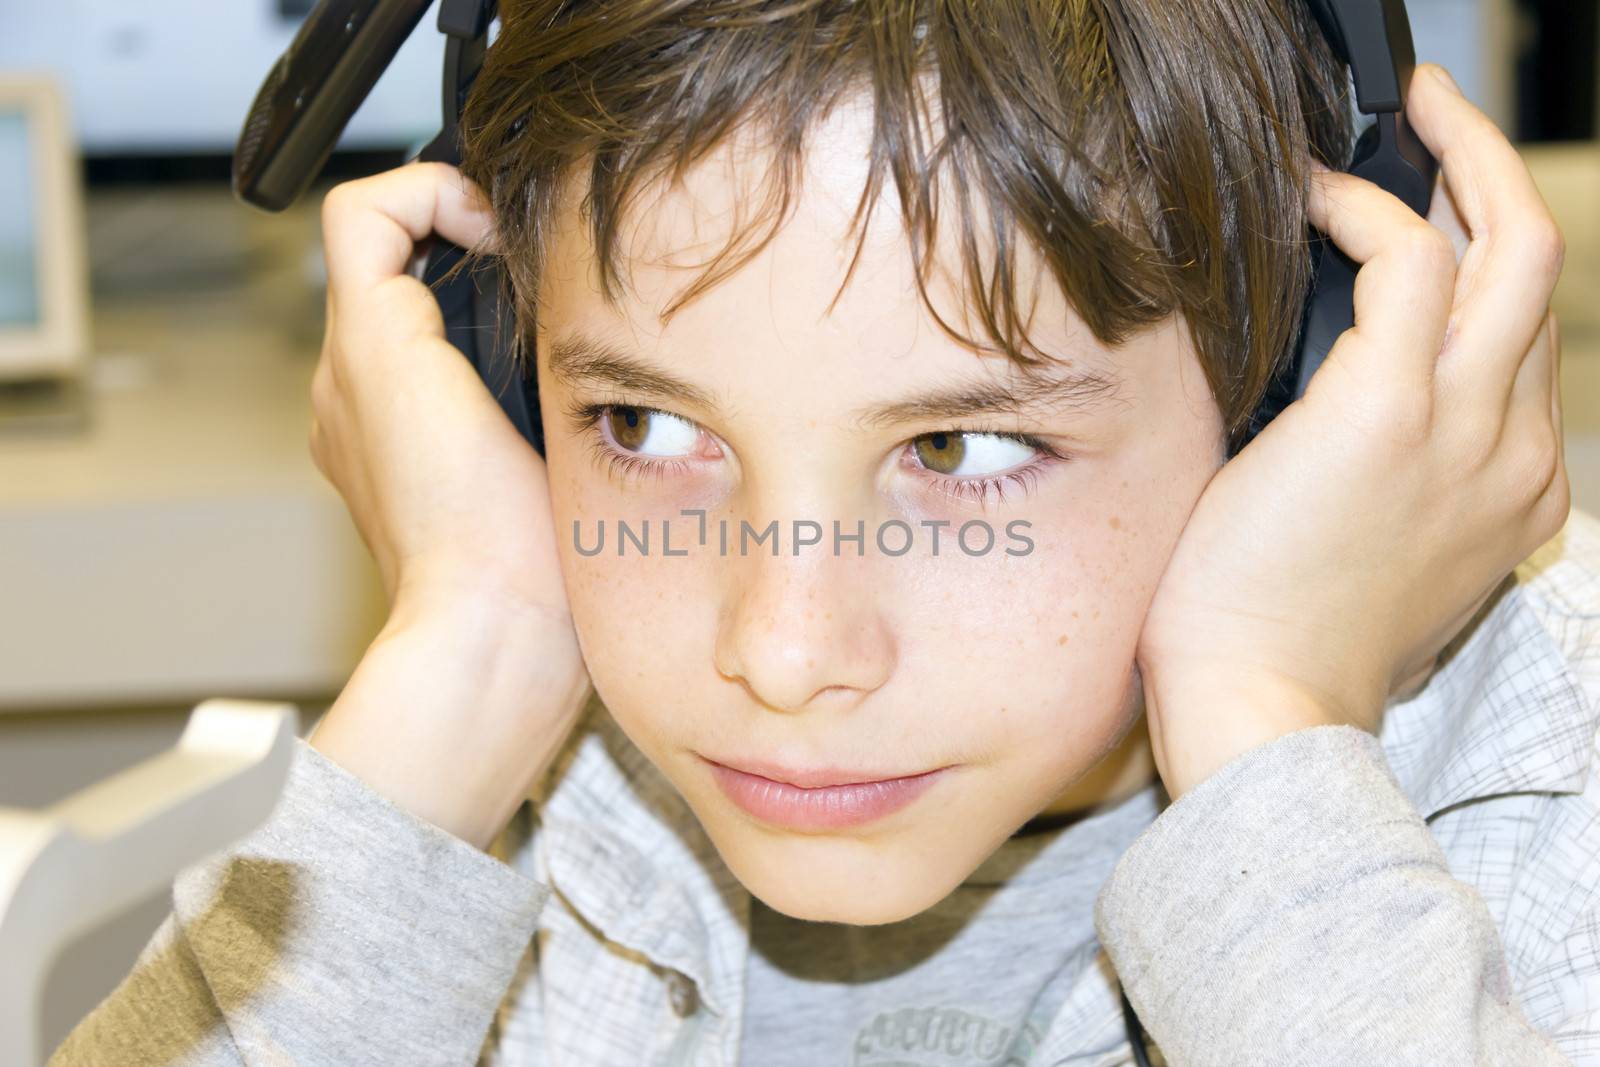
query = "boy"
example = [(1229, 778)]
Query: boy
[(845, 797)]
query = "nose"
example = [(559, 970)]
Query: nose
[(800, 631)]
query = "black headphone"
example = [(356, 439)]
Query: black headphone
[(344, 45)]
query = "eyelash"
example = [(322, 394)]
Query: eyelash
[(625, 465)]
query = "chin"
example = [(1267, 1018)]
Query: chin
[(849, 909), (838, 881)]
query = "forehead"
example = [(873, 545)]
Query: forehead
[(792, 307)]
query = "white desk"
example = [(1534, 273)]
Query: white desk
[(185, 546)]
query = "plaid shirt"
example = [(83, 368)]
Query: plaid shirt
[(1425, 896), (639, 956)]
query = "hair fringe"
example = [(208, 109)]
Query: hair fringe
[(1153, 155)]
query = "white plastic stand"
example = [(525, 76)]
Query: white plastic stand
[(69, 867)]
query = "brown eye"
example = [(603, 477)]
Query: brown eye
[(941, 452), (969, 453), (650, 432), (629, 426)]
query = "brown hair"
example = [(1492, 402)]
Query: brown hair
[(1153, 153)]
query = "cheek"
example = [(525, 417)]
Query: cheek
[(640, 618), (1040, 646), (635, 617), (1035, 654)]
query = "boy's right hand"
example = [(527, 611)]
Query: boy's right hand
[(477, 678), (448, 496)]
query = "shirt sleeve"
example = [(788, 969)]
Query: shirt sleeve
[(1294, 909), (343, 930)]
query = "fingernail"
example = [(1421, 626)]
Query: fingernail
[(1444, 76)]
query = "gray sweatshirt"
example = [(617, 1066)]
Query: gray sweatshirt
[(1427, 896)]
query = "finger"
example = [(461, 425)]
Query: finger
[(1503, 289), (1444, 214), (1532, 425), (316, 443), (1404, 284), (371, 225), (1555, 376), (1564, 512), (1531, 390)]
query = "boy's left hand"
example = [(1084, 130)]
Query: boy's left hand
[(1326, 566)]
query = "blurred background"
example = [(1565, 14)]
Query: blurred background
[(164, 536)]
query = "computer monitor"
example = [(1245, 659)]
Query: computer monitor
[(44, 298)]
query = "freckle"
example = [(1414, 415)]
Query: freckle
[(1074, 614), (1061, 640), (1116, 523)]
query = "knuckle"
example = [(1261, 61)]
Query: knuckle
[(1480, 450), (1431, 249), (1552, 464), (1541, 465), (1407, 415), (322, 387), (1558, 505), (437, 171), (1548, 246), (1550, 511), (317, 446), (338, 201)]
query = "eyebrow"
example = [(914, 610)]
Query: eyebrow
[(578, 358)]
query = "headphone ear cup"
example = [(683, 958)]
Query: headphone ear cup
[(476, 324), (494, 356), (1366, 147)]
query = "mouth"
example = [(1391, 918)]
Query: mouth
[(819, 778), (841, 799)]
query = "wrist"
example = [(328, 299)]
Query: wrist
[(433, 590), (1203, 719), (456, 711)]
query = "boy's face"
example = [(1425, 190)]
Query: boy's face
[(1013, 666)]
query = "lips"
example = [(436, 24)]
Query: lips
[(830, 807), (820, 778)]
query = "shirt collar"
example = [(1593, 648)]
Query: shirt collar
[(1505, 712), (629, 855)]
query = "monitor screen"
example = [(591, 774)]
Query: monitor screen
[(19, 259), (43, 286)]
